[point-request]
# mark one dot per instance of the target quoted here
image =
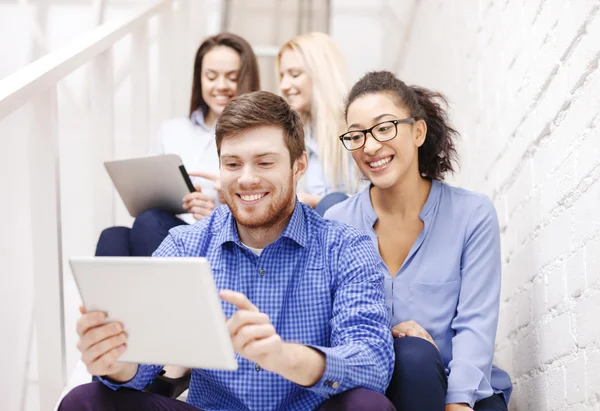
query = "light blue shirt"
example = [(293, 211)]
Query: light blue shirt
[(449, 284), (315, 180), (320, 282)]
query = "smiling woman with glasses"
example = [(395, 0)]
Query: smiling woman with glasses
[(441, 245)]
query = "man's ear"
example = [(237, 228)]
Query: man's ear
[(300, 166), (420, 132)]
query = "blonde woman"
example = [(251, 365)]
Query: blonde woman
[(313, 80)]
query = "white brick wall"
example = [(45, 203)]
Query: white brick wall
[(524, 81)]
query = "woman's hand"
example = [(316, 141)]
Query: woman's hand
[(212, 177), (412, 329), (198, 204)]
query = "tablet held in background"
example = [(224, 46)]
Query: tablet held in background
[(151, 182)]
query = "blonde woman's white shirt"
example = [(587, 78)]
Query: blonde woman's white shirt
[(193, 141)]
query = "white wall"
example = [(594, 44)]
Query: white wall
[(525, 85), (371, 34)]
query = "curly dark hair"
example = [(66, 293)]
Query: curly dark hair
[(437, 155)]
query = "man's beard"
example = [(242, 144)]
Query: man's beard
[(279, 210)]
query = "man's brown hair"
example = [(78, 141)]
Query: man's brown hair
[(259, 109)]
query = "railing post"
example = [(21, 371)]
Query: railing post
[(102, 147), (44, 181), (140, 97), (165, 65), (184, 54)]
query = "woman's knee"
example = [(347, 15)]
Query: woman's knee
[(112, 233), (415, 355), (155, 221), (149, 219), (113, 241)]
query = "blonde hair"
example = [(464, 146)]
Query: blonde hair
[(326, 66)]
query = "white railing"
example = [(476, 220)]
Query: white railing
[(36, 86)]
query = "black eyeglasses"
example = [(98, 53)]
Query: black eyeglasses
[(385, 131)]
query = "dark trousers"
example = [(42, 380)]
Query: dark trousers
[(96, 396), (419, 381), (149, 230)]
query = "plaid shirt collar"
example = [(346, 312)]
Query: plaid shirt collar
[(295, 230)]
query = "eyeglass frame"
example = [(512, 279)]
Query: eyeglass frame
[(408, 120)]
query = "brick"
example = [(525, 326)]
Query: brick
[(525, 353), (556, 339), (523, 308), (503, 357), (549, 191), (506, 320), (524, 264), (522, 400), (510, 280), (555, 287), (575, 273), (538, 299), (586, 221), (588, 153), (509, 240), (566, 176), (575, 378), (555, 238), (520, 190), (556, 388), (592, 262), (539, 393), (593, 375), (587, 324), (529, 217)]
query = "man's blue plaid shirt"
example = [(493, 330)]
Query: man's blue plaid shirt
[(321, 283)]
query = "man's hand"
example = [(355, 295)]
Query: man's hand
[(252, 334), (457, 407), (101, 345), (254, 338), (212, 177), (412, 329), (198, 204)]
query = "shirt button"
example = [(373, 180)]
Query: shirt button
[(262, 272), (257, 367), (335, 385)]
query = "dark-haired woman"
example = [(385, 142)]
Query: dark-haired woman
[(441, 245), (225, 66)]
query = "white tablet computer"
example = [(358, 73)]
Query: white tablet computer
[(169, 308), (151, 182)]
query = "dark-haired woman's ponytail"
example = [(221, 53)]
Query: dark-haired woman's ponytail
[(438, 153)]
